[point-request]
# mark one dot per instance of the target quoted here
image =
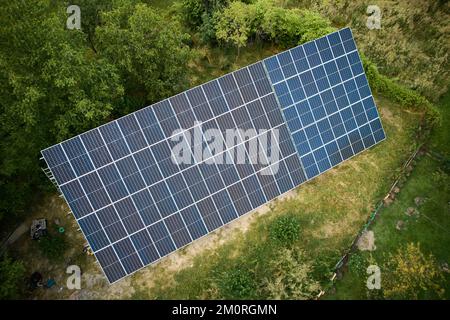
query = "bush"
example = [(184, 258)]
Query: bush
[(264, 19), (237, 283), (53, 246), (403, 96), (290, 27), (200, 16), (409, 274), (285, 229), (208, 28), (291, 277), (192, 12)]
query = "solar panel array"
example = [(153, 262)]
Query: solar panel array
[(135, 205)]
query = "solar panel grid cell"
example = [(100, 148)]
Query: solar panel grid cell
[(135, 204)]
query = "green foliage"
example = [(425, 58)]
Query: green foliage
[(148, 50), (193, 11), (201, 16), (409, 273), (291, 277), (51, 86), (290, 27), (11, 276), (238, 22), (403, 96), (53, 245), (55, 83), (90, 14), (237, 283), (207, 29), (285, 229), (234, 24), (358, 264)]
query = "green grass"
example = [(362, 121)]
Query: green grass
[(431, 228)]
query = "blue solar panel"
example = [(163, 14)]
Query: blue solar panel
[(329, 122), (136, 205)]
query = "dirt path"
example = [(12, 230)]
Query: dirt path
[(19, 232)]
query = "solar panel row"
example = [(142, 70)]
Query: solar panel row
[(135, 204)]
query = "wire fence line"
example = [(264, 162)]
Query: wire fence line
[(380, 204)]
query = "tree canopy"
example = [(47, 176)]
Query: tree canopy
[(51, 86), (149, 51), (11, 275), (234, 24), (55, 82)]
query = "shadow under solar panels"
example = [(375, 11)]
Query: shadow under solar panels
[(276, 123)]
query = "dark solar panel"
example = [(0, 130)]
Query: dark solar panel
[(311, 105)]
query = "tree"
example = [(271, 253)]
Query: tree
[(290, 27), (149, 50), (90, 15), (409, 273), (291, 277), (11, 275), (51, 87), (265, 19), (193, 11), (312, 25), (196, 11), (234, 24)]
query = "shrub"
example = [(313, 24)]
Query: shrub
[(237, 283), (290, 27), (239, 22), (208, 28), (285, 229), (291, 277), (53, 245), (409, 273), (403, 96), (11, 274), (192, 12)]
